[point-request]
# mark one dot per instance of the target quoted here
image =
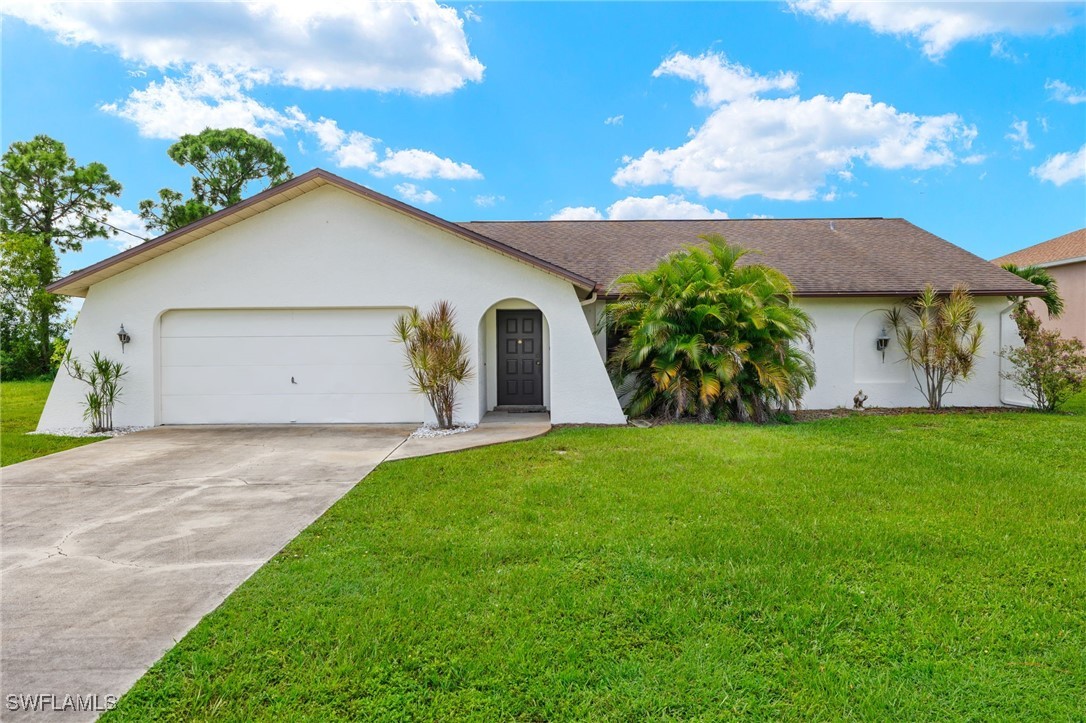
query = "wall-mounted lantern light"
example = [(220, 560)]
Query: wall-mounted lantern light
[(882, 341), (124, 337)]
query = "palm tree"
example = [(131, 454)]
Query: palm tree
[(1041, 277), (704, 336)]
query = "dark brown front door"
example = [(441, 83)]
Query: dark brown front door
[(520, 358)]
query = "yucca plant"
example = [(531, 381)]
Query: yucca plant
[(436, 356), (940, 336), (703, 336), (103, 376)]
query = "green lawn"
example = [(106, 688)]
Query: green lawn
[(20, 406), (909, 568)]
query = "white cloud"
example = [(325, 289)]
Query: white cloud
[(204, 98), (419, 164), (488, 201), (1064, 93), (615, 120), (634, 208), (939, 26), (410, 192), (723, 81), (130, 225), (470, 13), (674, 206), (1019, 135), (784, 148), (578, 213), (1062, 168), (417, 45), (357, 151)]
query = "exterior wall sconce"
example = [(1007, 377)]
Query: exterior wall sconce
[(124, 337), (882, 341)]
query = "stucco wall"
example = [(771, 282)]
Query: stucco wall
[(846, 358), (331, 249), (1071, 281)]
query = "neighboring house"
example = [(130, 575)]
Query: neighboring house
[(1064, 257), (281, 308)]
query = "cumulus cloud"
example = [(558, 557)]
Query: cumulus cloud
[(939, 26), (615, 120), (1019, 135), (416, 46), (578, 213), (412, 193), (784, 148), (204, 98), (488, 201), (634, 208), (674, 206), (419, 164), (131, 233), (1064, 93), (722, 81), (1062, 168)]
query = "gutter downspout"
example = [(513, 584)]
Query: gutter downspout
[(1002, 399), (590, 300)]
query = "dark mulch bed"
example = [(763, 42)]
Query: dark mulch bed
[(809, 415)]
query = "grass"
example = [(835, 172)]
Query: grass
[(20, 407), (913, 568)]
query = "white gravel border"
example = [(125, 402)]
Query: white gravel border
[(85, 432), (427, 431)]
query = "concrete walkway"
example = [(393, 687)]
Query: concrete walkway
[(110, 553), (496, 427)]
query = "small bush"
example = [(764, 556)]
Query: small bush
[(437, 357), (1049, 368), (103, 376)]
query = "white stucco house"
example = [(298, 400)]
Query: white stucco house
[(280, 309)]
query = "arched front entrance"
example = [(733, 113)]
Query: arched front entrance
[(515, 357)]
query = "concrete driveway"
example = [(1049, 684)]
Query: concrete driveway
[(111, 552)]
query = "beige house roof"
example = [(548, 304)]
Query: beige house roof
[(822, 257), (1069, 248)]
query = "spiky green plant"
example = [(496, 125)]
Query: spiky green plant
[(1037, 275), (436, 356), (704, 336), (103, 376), (940, 336)]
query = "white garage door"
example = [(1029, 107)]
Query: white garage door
[(271, 366)]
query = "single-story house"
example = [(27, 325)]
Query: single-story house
[(280, 308), (1065, 259)]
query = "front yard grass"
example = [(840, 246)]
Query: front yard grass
[(917, 567), (20, 407)]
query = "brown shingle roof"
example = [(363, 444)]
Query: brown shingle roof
[(1069, 246), (823, 257)]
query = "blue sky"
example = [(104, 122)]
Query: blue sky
[(967, 119)]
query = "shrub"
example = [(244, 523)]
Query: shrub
[(1047, 367), (940, 336), (103, 376), (437, 357), (704, 337)]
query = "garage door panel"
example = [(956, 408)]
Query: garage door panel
[(280, 322), (226, 409), (221, 366), (278, 351)]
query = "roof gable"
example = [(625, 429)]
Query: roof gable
[(79, 282)]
